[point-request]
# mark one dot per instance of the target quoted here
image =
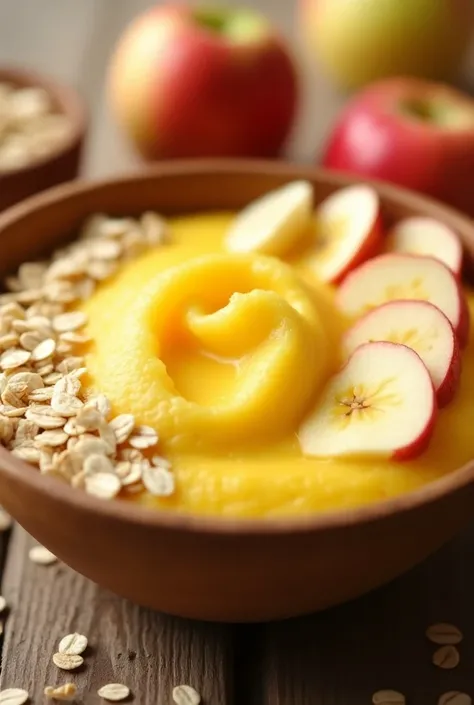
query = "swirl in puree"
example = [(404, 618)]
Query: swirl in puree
[(224, 354), (210, 351)]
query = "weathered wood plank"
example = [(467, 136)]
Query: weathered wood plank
[(344, 655), (147, 651)]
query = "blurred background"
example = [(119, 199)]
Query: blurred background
[(73, 40)]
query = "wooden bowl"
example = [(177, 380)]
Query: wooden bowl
[(57, 167), (210, 568)]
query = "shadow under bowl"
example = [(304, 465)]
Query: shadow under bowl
[(61, 164), (211, 568)]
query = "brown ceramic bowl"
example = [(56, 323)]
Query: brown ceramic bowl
[(57, 167), (221, 569)]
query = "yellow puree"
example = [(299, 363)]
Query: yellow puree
[(224, 355)]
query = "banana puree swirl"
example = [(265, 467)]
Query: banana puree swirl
[(250, 311)]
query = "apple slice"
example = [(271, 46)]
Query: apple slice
[(427, 236), (382, 403), (393, 277), (423, 328), (274, 223), (348, 229)]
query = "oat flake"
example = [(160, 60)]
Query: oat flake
[(446, 657), (186, 695), (67, 662), (30, 340), (444, 633), (13, 696), (40, 395), (51, 439), (3, 603), (66, 404), (114, 692), (62, 692), (158, 481), (45, 417), (132, 475), (143, 437), (97, 463), (73, 644), (454, 697), (67, 385), (28, 453), (41, 555), (90, 445), (44, 350), (122, 426), (69, 321), (103, 484), (14, 358), (89, 419)]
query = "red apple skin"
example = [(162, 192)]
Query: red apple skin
[(420, 444), (182, 90), (464, 320), (449, 386), (373, 138), (370, 248)]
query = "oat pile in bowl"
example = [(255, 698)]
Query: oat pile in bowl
[(46, 417), (30, 126)]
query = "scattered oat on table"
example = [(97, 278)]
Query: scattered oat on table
[(388, 697), (62, 692), (5, 520), (73, 644), (67, 662), (186, 695), (446, 657), (114, 692), (444, 633), (13, 696), (454, 697), (41, 555)]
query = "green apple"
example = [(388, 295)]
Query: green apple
[(359, 41)]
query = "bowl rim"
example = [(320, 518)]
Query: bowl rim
[(70, 103), (133, 513)]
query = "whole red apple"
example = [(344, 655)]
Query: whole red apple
[(189, 82), (411, 132)]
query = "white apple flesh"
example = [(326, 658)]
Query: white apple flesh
[(427, 236), (394, 277), (273, 223), (420, 326), (382, 403), (348, 230)]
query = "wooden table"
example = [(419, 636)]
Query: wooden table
[(337, 658)]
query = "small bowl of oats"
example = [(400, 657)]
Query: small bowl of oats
[(42, 130)]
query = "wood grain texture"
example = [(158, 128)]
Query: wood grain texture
[(342, 656), (147, 651), (72, 41)]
